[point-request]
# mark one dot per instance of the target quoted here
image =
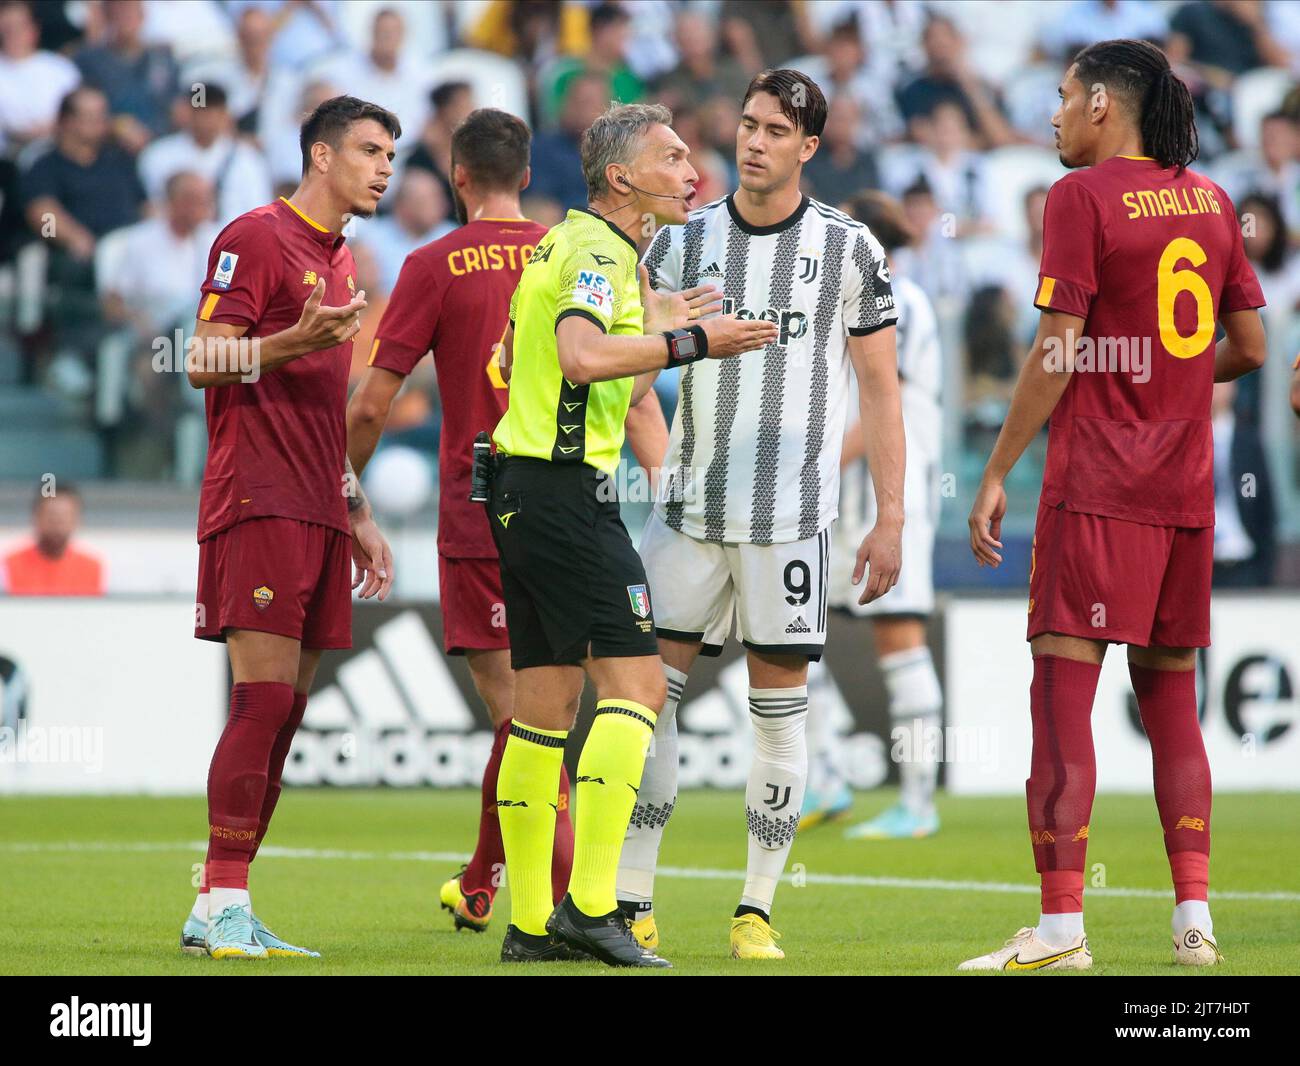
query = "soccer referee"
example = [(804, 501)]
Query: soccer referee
[(586, 339)]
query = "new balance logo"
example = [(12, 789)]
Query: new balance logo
[(1191, 823), (1041, 836), (591, 780), (512, 803), (799, 625), (1082, 834)]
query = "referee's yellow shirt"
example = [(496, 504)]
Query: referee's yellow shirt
[(584, 266)]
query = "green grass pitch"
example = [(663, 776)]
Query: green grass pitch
[(101, 885)]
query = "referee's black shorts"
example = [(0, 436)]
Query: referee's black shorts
[(573, 583)]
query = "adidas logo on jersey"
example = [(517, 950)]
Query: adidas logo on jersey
[(798, 625), (712, 270)]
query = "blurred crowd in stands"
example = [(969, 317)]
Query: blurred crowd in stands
[(131, 131)]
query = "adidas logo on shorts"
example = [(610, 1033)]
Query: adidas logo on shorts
[(798, 625)]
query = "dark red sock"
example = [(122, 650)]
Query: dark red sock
[(1167, 703), (483, 874), (275, 767), (1062, 777), (237, 777), (562, 857)]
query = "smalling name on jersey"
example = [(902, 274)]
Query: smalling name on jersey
[(1148, 203)]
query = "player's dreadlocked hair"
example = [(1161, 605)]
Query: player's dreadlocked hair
[(1140, 73)]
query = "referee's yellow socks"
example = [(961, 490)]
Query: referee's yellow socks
[(528, 789), (609, 775)]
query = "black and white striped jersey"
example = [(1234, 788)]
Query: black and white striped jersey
[(754, 453)]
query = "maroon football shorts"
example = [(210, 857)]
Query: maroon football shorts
[(277, 575), (473, 608), (1109, 579)]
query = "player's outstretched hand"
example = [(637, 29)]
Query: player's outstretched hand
[(881, 551), (373, 560), (662, 311), (730, 335), (322, 326), (986, 522)]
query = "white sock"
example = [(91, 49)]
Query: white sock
[(822, 775), (221, 898), (1192, 914), (774, 794), (915, 703), (200, 909), (654, 805), (1060, 930)]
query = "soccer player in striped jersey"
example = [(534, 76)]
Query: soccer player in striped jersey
[(750, 485), (899, 617), (1141, 256)]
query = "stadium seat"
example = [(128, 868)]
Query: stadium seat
[(1030, 98), (1012, 172), (1254, 95), (497, 82), (113, 353), (1232, 170), (31, 265), (899, 165)]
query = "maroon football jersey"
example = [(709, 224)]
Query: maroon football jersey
[(1150, 258), (277, 445), (453, 296)]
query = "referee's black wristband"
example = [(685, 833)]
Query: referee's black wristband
[(686, 345)]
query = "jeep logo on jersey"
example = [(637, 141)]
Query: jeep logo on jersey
[(792, 324)]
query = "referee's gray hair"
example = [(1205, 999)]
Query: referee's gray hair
[(615, 137)]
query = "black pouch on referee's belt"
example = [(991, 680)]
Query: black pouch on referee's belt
[(483, 471)]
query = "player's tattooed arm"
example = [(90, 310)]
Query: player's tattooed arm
[(1243, 349), (372, 558), (358, 505), (1038, 390), (875, 362)]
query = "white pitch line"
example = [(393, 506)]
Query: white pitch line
[(685, 872)]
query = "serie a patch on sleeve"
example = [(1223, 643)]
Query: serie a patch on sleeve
[(595, 291), (225, 272)]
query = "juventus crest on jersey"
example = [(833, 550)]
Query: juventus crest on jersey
[(754, 453)]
